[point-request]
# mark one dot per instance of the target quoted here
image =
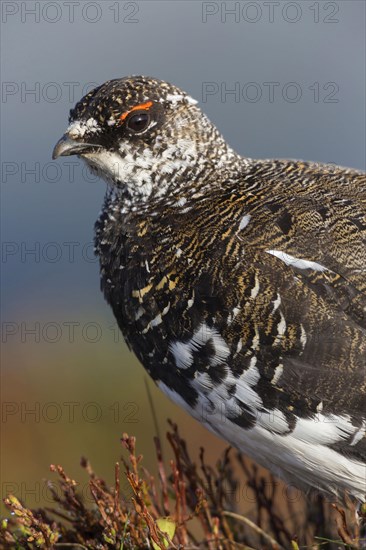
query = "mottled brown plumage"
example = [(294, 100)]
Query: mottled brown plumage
[(239, 284)]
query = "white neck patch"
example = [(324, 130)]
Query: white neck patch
[(135, 171)]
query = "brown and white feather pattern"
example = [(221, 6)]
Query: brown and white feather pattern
[(241, 286)]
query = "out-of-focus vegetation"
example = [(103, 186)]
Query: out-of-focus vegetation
[(187, 505)]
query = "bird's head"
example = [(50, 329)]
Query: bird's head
[(144, 136)]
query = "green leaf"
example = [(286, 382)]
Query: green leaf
[(166, 525)]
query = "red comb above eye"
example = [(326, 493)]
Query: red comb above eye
[(142, 106)]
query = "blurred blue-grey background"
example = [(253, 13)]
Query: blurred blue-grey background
[(279, 79)]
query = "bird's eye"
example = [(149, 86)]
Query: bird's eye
[(138, 122)]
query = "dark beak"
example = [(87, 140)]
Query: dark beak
[(67, 146)]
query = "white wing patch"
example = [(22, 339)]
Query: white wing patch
[(297, 262), (255, 289), (277, 374), (244, 221), (276, 303), (281, 329)]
